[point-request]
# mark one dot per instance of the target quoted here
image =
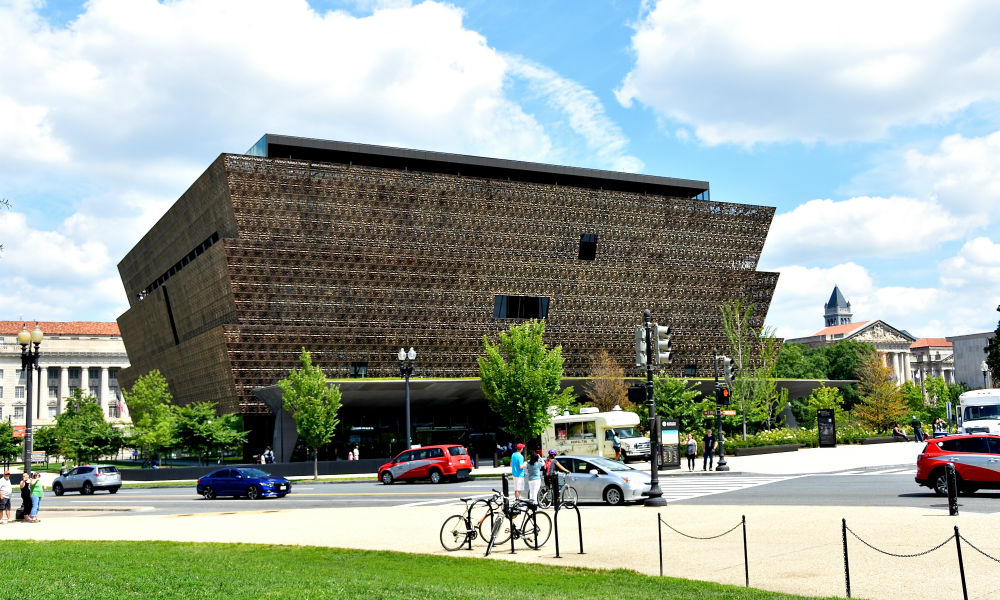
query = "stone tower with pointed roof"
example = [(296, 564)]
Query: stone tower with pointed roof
[(838, 309)]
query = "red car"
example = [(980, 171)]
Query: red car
[(428, 462), (976, 459)]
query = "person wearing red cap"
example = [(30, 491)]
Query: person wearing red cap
[(517, 470)]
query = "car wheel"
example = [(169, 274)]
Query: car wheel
[(253, 492), (112, 490), (939, 481), (208, 493), (436, 476), (87, 489), (386, 477), (57, 489), (614, 496)]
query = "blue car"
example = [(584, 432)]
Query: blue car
[(242, 481)]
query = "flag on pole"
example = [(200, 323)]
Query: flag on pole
[(119, 401)]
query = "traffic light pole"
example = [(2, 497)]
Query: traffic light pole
[(655, 496), (721, 466)]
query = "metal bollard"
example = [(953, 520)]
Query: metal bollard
[(952, 489)]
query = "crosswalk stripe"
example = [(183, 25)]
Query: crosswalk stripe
[(690, 489)]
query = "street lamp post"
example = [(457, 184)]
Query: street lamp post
[(406, 360), (29, 362), (986, 369)]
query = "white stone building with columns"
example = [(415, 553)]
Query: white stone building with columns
[(76, 354), (892, 344)]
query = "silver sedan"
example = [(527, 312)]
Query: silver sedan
[(598, 479)]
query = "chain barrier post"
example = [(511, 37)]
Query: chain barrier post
[(961, 565), (746, 562), (659, 539), (952, 479), (847, 568)]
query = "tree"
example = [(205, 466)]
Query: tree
[(83, 433), (755, 355), (992, 350), (606, 387), (797, 361), (153, 415), (45, 439), (823, 397), (881, 404), (313, 404), (844, 360), (674, 398), (203, 432), (10, 447), (521, 379)]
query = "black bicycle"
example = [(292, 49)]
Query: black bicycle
[(476, 521), (567, 493), (530, 525)]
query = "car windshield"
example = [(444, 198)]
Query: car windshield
[(254, 473), (990, 412), (609, 465), (627, 432)]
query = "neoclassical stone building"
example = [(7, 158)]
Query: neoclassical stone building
[(76, 354), (891, 343)]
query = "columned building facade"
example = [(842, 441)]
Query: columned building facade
[(76, 354)]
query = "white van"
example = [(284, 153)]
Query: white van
[(591, 433), (979, 411)]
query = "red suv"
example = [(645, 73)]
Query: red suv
[(976, 459), (428, 462)]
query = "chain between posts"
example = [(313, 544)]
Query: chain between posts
[(973, 546), (925, 552), (695, 537)]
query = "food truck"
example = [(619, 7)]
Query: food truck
[(592, 433)]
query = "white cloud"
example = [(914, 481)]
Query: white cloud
[(962, 173), (783, 70), (977, 264), (827, 231), (797, 306)]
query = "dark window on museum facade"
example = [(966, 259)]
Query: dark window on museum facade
[(520, 307), (359, 369), (690, 370), (588, 246)]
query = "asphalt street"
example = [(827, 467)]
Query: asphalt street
[(885, 488)]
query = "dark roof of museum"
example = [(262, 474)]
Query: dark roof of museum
[(298, 148)]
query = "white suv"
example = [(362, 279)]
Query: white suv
[(88, 478)]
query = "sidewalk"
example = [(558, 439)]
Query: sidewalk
[(791, 549)]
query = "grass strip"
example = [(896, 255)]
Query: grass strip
[(168, 570)]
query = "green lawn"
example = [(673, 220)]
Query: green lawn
[(56, 570)]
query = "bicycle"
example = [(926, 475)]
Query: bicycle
[(534, 527), (458, 530), (567, 494)]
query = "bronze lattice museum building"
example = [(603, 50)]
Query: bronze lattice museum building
[(353, 251)]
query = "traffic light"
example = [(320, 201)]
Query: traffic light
[(661, 335), (640, 346), (723, 395), (637, 394), (728, 370)]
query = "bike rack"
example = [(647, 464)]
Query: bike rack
[(579, 526)]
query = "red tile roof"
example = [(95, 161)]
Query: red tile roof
[(931, 342), (834, 329), (61, 327)]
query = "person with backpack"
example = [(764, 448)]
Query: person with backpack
[(552, 468)]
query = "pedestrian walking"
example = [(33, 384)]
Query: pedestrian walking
[(918, 435), (534, 473), (709, 444), (517, 470), (25, 485), (37, 491), (692, 450), (5, 491), (616, 445)]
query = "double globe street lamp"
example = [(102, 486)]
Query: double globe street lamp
[(406, 360), (29, 362)]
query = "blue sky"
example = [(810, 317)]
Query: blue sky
[(873, 128)]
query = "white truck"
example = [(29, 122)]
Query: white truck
[(592, 433), (979, 411)]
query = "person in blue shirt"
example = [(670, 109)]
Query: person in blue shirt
[(517, 470)]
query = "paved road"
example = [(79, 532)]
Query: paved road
[(888, 487)]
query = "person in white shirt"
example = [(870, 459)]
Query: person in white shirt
[(5, 491)]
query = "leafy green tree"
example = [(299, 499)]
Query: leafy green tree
[(521, 379), (203, 432), (83, 433), (797, 361), (153, 414), (313, 404), (46, 440), (755, 354), (10, 447), (823, 397), (913, 396), (674, 398), (881, 403), (992, 350)]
